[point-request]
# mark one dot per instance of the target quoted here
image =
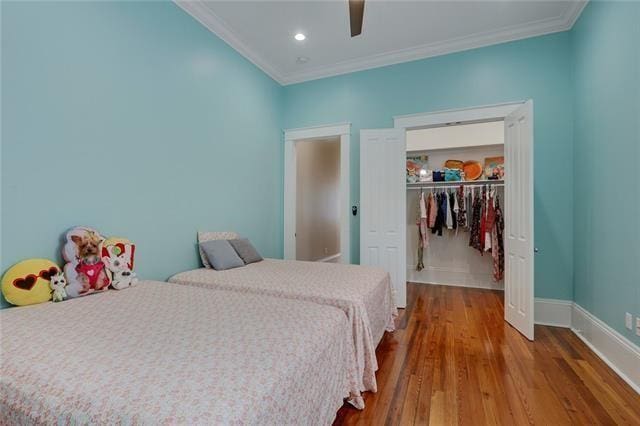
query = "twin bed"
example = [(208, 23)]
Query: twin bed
[(273, 342), (363, 293)]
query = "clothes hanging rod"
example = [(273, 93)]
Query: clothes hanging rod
[(448, 184)]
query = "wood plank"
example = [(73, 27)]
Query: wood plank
[(454, 360)]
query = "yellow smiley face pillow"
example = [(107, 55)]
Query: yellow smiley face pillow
[(27, 282)]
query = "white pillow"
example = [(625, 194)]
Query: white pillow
[(209, 236)]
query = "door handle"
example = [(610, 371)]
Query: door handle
[(535, 249)]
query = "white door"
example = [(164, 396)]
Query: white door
[(519, 296), (383, 205)]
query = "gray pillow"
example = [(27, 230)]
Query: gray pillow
[(221, 255), (246, 250)]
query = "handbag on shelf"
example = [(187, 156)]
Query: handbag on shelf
[(438, 176), (452, 175), (427, 176)]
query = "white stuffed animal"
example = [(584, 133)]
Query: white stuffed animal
[(118, 263), (57, 284)]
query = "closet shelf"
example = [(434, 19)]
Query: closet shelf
[(418, 185)]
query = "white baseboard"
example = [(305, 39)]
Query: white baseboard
[(453, 278), (333, 258), (480, 286), (618, 352), (553, 312)]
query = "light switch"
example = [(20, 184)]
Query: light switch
[(637, 326), (628, 321)]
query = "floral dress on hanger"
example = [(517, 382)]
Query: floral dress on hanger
[(476, 214), (423, 238), (462, 208), (432, 210), (483, 220), (497, 242)]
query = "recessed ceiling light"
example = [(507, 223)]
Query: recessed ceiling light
[(302, 60), (300, 37)]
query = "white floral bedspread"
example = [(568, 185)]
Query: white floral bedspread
[(161, 353), (364, 293)]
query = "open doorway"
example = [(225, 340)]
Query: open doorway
[(473, 156), (317, 200), (383, 197), (317, 193)]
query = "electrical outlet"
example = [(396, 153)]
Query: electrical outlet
[(628, 321), (637, 326)]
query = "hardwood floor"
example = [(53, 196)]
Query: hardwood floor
[(454, 360)]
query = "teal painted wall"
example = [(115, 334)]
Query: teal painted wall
[(134, 119), (538, 69), (157, 128), (606, 79)]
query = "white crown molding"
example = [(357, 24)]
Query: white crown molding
[(573, 13), (217, 26), (474, 41), (221, 29)]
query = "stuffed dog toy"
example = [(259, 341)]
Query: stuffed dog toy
[(90, 269)]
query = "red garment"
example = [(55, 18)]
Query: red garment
[(489, 221), (490, 216), (483, 221), (91, 271)]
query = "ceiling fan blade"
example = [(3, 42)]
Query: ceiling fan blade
[(356, 13)]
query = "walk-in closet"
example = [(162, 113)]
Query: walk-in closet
[(455, 205), (473, 163)]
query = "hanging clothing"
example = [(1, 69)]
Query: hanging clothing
[(423, 240), (449, 210), (462, 209), (497, 237), (470, 197), (426, 205), (453, 209), (423, 219), (432, 211), (476, 213), (489, 222), (441, 216), (483, 220)]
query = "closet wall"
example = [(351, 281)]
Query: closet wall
[(448, 259)]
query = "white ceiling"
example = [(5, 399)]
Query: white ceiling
[(393, 31)]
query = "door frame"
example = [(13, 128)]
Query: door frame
[(456, 116), (317, 133), (460, 116)]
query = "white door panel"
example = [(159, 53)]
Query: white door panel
[(383, 204), (519, 272)]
